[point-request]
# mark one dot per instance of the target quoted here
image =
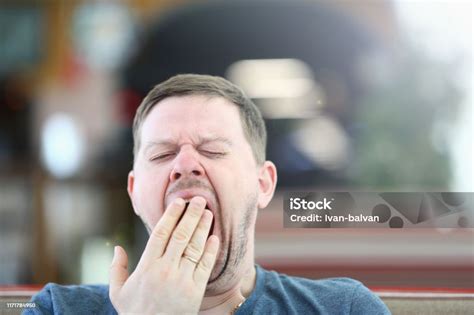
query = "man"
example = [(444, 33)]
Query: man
[(198, 179)]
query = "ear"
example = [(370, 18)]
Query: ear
[(130, 187), (267, 180)]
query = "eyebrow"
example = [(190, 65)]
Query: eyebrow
[(205, 140), (201, 141)]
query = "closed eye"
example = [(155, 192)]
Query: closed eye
[(163, 156), (213, 153)]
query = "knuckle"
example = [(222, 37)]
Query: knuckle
[(161, 233), (193, 249), (195, 212), (180, 236), (175, 212), (206, 263)]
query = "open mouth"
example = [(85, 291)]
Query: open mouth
[(211, 230)]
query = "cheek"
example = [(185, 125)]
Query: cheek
[(148, 195), (238, 190)]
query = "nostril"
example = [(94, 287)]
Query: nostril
[(196, 172)]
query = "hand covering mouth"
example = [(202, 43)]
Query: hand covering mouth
[(211, 230), (187, 193)]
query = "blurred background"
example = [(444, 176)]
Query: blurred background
[(358, 95)]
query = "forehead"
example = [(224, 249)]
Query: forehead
[(192, 117)]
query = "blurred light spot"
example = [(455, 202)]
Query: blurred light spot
[(70, 213), (95, 260), (441, 28), (104, 33), (283, 88), (440, 134), (324, 141), (62, 146), (375, 70)]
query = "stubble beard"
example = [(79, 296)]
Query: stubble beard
[(233, 253)]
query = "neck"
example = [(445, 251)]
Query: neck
[(226, 302)]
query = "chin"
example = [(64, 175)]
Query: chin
[(225, 274), (220, 267)]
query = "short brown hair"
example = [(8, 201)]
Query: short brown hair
[(197, 84)]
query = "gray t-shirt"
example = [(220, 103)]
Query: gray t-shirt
[(274, 293)]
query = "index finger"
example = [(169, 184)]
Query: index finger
[(162, 231)]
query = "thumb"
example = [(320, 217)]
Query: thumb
[(118, 271)]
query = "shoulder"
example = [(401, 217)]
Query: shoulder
[(77, 299), (325, 296), (324, 287)]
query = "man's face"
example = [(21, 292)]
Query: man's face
[(195, 145)]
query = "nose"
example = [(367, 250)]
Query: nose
[(186, 164)]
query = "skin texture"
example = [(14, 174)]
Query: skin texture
[(193, 149)]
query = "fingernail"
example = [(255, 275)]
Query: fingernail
[(208, 214), (115, 255), (199, 201)]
